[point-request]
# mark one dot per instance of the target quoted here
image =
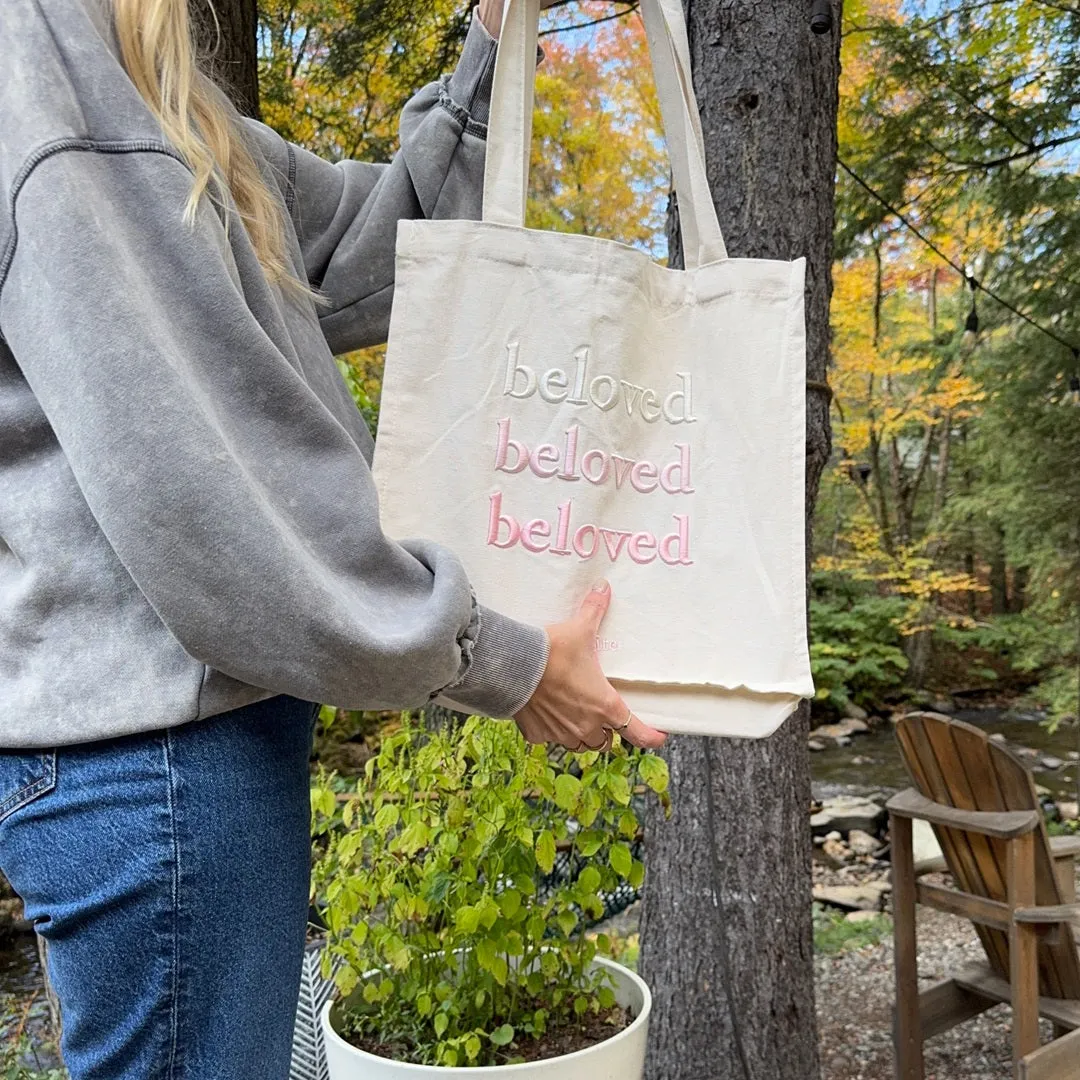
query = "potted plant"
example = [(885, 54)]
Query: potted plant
[(456, 946)]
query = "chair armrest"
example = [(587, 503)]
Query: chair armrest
[(1006, 825)]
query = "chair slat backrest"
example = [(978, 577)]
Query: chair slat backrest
[(958, 765)]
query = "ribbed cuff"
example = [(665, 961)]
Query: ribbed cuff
[(508, 660), (469, 87)]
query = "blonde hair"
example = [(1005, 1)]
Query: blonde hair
[(157, 48)]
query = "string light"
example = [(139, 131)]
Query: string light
[(975, 285)]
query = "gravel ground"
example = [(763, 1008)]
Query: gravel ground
[(855, 996)]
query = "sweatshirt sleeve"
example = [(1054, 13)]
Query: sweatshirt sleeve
[(346, 214), (239, 505)]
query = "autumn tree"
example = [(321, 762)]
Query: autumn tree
[(335, 74), (598, 160), (726, 938), (959, 120)]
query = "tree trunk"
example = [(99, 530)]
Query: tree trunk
[(1018, 597), (228, 47), (999, 581), (768, 91)]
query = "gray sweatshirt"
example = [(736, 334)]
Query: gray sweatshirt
[(188, 522)]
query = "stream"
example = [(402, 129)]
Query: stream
[(871, 763)]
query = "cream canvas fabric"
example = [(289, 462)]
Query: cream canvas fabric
[(559, 408)]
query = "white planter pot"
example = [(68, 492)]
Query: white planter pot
[(622, 1057)]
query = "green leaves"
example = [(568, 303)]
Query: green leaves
[(467, 919), (567, 789), (545, 851), (654, 771), (430, 874), (621, 860), (502, 1035), (387, 817), (509, 903)]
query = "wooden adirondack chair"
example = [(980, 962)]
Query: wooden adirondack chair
[(1016, 886)]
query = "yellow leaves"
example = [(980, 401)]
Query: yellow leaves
[(887, 373), (334, 75), (909, 571), (598, 164)]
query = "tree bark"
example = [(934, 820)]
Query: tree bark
[(999, 580), (768, 92), (227, 45), (1018, 596)]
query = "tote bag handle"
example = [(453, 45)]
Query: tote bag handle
[(506, 173)]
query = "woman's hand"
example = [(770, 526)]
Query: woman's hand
[(574, 705), (491, 13)]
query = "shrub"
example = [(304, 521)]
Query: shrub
[(856, 652), (429, 883)]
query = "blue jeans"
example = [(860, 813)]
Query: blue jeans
[(169, 874)]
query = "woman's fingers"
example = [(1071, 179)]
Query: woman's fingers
[(640, 734), (594, 607), (574, 705)]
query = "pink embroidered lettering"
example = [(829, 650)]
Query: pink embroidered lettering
[(643, 477), (544, 456), (681, 538), (579, 542), (588, 471), (504, 444), (562, 529), (496, 520), (642, 548), (613, 541), (622, 467), (532, 533)]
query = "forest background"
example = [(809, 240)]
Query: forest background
[(947, 532)]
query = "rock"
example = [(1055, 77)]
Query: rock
[(862, 843), (1048, 761), (1068, 811), (1027, 752), (861, 915), (837, 852), (997, 737), (942, 705), (869, 896), (846, 812), (924, 843), (815, 746), (1073, 755), (834, 835), (840, 730), (860, 759), (1042, 792), (854, 712), (844, 740)]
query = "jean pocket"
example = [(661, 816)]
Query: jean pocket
[(25, 775)]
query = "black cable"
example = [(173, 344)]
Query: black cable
[(972, 281), (725, 956)]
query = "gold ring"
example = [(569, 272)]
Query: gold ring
[(583, 746), (629, 718)]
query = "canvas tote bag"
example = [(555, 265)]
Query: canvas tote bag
[(559, 408)]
